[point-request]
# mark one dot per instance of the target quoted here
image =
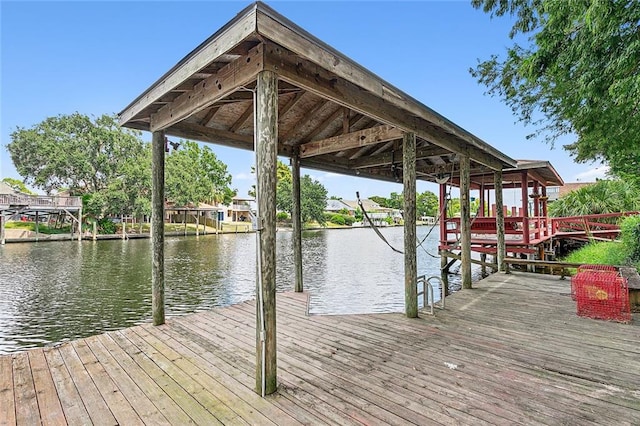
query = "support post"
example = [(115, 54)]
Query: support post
[(465, 221), (157, 227), (124, 227), (501, 246), (444, 273), (2, 238), (410, 262), (185, 223), (296, 219), (37, 225), (266, 113), (80, 224)]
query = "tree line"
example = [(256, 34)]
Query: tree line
[(110, 168)]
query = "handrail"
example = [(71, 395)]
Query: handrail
[(39, 200), (427, 290)]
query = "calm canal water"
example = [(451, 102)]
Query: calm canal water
[(57, 291)]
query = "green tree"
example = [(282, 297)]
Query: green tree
[(427, 204), (381, 201), (195, 175), (18, 185), (283, 173), (91, 157), (577, 74), (313, 199), (605, 196)]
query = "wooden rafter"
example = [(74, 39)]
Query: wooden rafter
[(350, 140), (314, 78), (212, 48), (308, 116), (248, 112), (226, 81), (289, 105), (323, 126), (210, 114)]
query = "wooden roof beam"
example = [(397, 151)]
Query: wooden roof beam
[(223, 83), (222, 41), (388, 158), (357, 139), (314, 78), (217, 136)]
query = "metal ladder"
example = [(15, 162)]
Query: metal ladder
[(427, 292)]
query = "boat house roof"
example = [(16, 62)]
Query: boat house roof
[(339, 116)]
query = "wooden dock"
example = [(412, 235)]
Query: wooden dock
[(510, 351)]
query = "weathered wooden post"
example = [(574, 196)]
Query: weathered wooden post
[(465, 221), (80, 224), (157, 226), (410, 262), (2, 238), (501, 246), (266, 159), (296, 219), (37, 225)]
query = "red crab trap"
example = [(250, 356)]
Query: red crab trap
[(601, 293), (592, 268)]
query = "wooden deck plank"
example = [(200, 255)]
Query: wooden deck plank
[(368, 393), (72, 405), (7, 395), (237, 393), (228, 409), (182, 398), (95, 405), (48, 402), (243, 355), (121, 409), (154, 391), (27, 412), (135, 397), (241, 369), (510, 351), (384, 360)]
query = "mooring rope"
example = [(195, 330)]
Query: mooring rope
[(373, 226)]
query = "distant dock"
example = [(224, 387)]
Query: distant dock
[(510, 351)]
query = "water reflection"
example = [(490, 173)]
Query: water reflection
[(52, 292)]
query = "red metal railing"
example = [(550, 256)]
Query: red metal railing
[(600, 224)]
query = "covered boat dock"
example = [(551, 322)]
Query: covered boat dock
[(263, 83)]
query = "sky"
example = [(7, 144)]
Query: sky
[(96, 57)]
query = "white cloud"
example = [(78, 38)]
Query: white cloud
[(244, 176), (592, 174), (325, 176)]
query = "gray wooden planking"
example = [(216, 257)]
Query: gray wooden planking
[(511, 350)]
